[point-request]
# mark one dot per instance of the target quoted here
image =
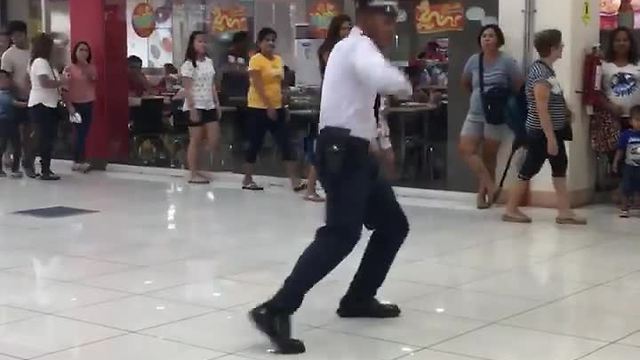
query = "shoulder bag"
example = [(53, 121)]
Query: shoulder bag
[(494, 100)]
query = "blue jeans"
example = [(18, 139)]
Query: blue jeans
[(82, 130)]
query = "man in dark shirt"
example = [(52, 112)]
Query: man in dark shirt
[(234, 68)]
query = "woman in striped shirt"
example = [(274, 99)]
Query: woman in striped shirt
[(547, 122)]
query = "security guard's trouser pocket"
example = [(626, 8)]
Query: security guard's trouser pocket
[(332, 150)]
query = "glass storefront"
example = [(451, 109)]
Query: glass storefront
[(434, 40)]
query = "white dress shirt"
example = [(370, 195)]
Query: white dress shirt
[(356, 72)]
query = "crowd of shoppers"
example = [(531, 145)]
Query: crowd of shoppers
[(36, 97)]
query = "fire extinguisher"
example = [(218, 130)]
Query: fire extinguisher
[(592, 79)]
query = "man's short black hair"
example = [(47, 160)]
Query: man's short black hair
[(16, 26), (134, 60)]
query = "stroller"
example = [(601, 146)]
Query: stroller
[(516, 118)]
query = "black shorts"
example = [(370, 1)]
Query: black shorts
[(537, 155), (206, 117)]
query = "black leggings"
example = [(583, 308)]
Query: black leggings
[(258, 123), (537, 154), (46, 122)]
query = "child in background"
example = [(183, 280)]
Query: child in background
[(9, 130), (629, 149)]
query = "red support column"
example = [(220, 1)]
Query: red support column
[(102, 23)]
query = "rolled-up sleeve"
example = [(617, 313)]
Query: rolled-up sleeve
[(373, 69)]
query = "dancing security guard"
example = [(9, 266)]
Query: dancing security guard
[(356, 194)]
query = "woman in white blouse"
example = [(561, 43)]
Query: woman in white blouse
[(43, 104), (201, 101)]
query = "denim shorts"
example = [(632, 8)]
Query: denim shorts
[(631, 180)]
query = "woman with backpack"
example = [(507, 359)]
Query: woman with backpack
[(490, 77)]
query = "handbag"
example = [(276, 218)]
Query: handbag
[(494, 100)]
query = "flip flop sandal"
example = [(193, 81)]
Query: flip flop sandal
[(571, 221), (516, 219), (252, 187), (314, 198)]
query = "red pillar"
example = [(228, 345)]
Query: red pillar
[(102, 23)]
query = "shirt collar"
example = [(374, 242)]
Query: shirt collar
[(356, 31)]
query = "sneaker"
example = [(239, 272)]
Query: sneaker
[(76, 167), (49, 176), (624, 214), (85, 167), (277, 327), (369, 309), (17, 174), (3, 174)]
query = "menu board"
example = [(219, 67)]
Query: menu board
[(232, 18), (435, 18)]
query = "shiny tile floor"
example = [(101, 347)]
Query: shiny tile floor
[(166, 271)]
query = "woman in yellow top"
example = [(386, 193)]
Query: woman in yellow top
[(266, 110)]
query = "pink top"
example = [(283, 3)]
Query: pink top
[(82, 88)]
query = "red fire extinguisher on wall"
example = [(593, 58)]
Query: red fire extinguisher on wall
[(592, 79)]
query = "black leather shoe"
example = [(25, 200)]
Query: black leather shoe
[(277, 327), (369, 309), (49, 176)]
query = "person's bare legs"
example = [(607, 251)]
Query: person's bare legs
[(196, 134), (512, 209), (212, 136), (562, 196), (468, 148), (292, 173), (490, 149), (312, 191)]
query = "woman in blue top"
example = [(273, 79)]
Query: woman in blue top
[(479, 140)]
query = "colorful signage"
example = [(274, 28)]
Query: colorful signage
[(229, 19), (609, 13), (435, 18), (143, 20), (320, 14)]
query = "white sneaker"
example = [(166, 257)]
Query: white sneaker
[(85, 167), (76, 167)]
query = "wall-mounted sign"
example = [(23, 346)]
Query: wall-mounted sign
[(434, 18), (320, 14), (143, 20), (229, 19)]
